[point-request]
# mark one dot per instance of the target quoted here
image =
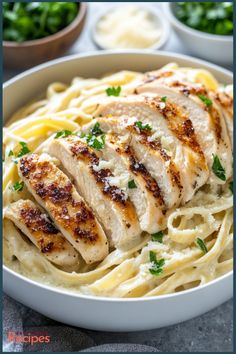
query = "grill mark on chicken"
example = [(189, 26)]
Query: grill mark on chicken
[(139, 168), (224, 99), (60, 194), (178, 123), (34, 219), (188, 89), (156, 145), (36, 225), (82, 151)]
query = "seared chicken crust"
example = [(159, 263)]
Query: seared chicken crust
[(35, 224), (54, 191)]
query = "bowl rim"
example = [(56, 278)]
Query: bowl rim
[(155, 12), (58, 290), (61, 291), (167, 6), (44, 40)]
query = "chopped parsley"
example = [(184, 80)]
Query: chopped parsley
[(24, 149), (63, 134), (141, 126), (210, 17), (157, 265), (96, 130), (231, 187), (132, 184), (218, 169), (158, 236), (201, 244), (97, 143), (18, 186), (113, 91), (163, 99), (205, 100)]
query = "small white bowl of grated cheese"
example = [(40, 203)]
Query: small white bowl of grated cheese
[(131, 27)]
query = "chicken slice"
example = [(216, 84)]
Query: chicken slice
[(134, 179), (28, 217), (158, 164), (111, 205), (226, 104), (210, 122), (169, 123), (53, 190)]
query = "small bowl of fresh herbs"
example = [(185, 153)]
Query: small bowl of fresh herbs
[(206, 28), (35, 32)]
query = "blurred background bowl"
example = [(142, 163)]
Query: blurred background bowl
[(30, 53), (216, 48), (155, 14)]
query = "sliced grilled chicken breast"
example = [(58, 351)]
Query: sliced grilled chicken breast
[(28, 217), (226, 104), (53, 191), (208, 115), (158, 164), (169, 122), (133, 177), (111, 205)]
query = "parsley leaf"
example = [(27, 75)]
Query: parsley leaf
[(96, 130), (97, 143), (141, 126), (132, 184), (10, 153), (218, 169), (205, 100), (158, 236), (113, 91), (163, 99), (231, 187), (24, 150), (157, 265), (63, 134), (18, 186), (24, 21), (201, 244)]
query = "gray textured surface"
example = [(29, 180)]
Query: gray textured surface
[(211, 332)]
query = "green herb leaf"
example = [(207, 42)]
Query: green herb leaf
[(63, 134), (209, 17), (141, 126), (231, 187), (97, 143), (218, 169), (10, 153), (157, 265), (205, 100), (201, 244), (132, 184), (24, 150), (18, 186), (96, 130), (23, 21), (163, 99), (113, 91), (158, 236)]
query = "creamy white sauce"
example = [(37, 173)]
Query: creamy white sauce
[(128, 27)]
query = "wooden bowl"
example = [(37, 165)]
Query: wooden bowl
[(30, 53)]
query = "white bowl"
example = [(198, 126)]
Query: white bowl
[(156, 14), (216, 48), (88, 311)]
